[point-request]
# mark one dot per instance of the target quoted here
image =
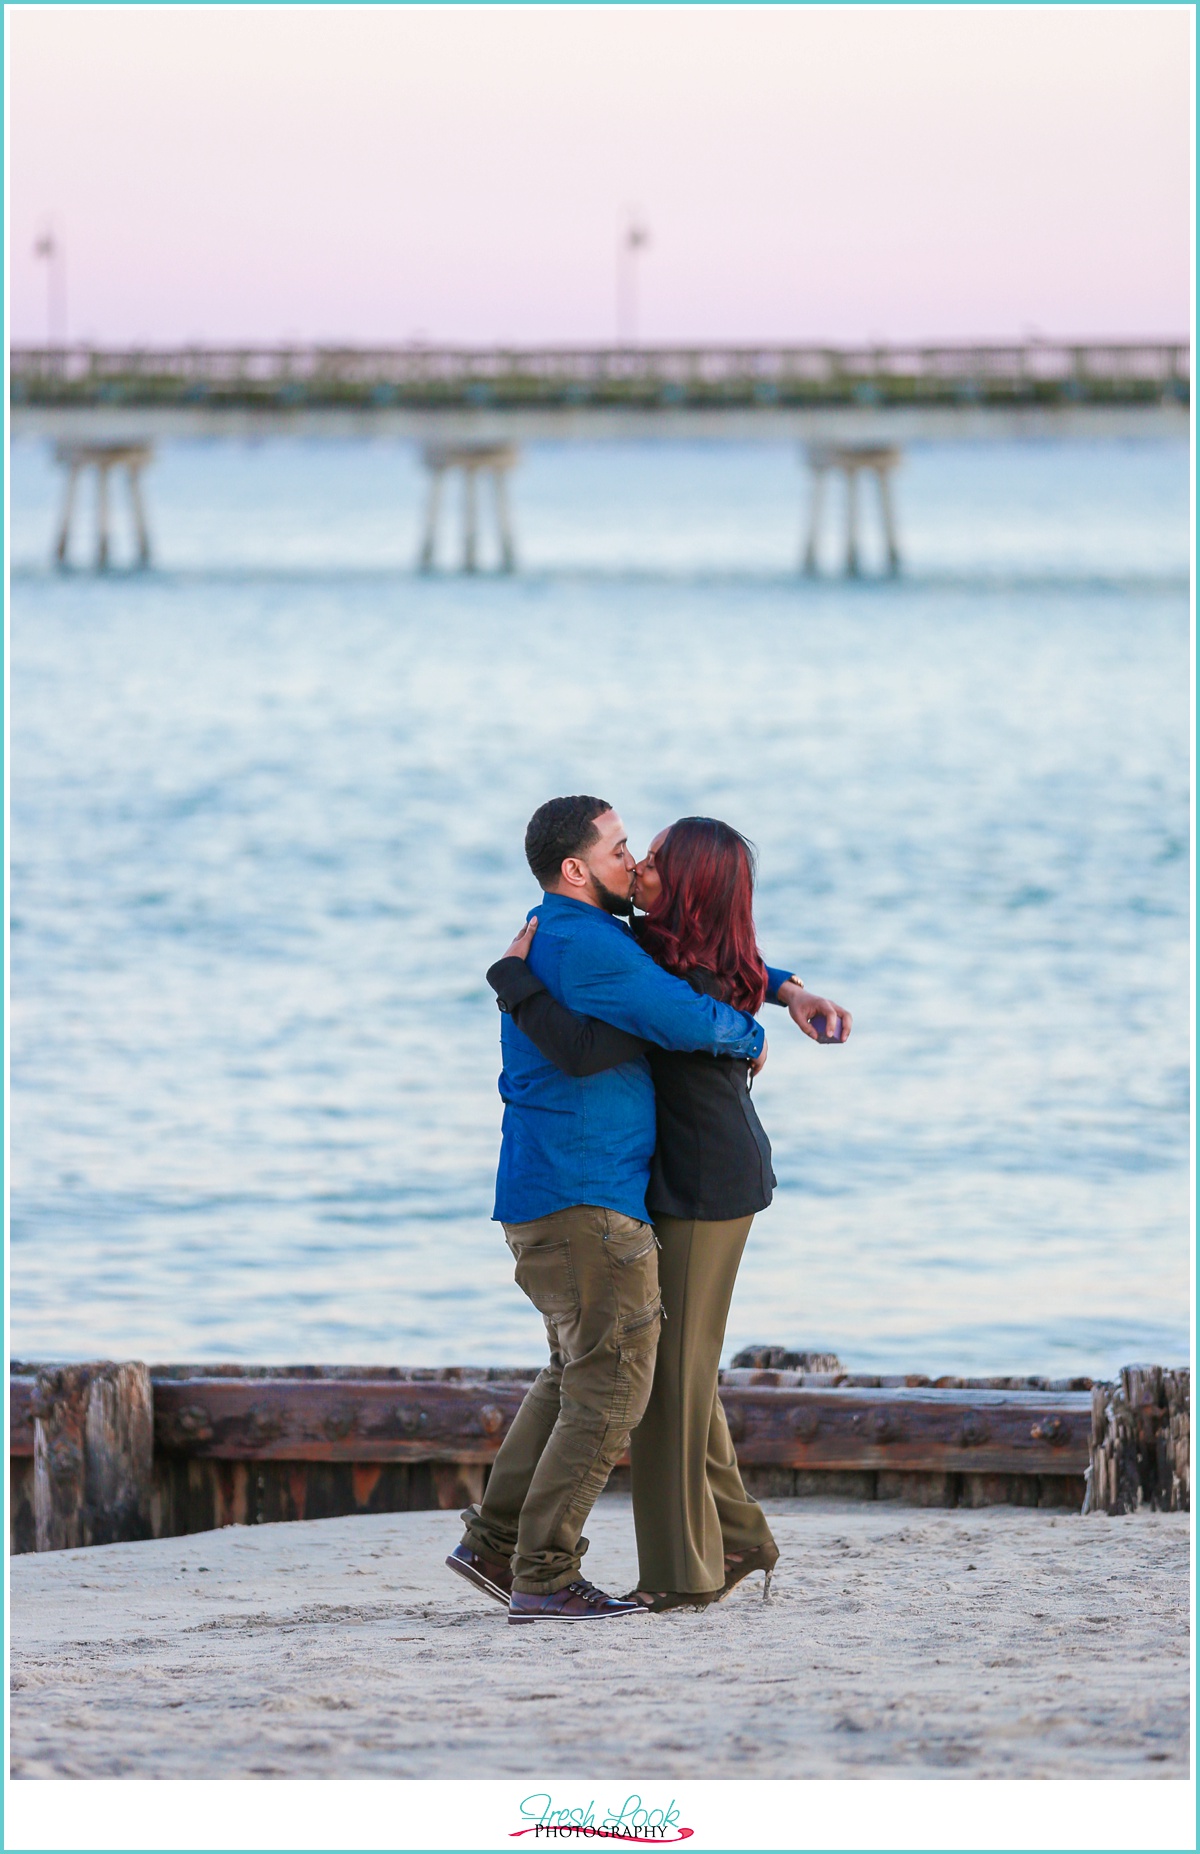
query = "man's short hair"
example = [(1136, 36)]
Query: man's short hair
[(561, 827)]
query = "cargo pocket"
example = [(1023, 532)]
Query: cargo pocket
[(627, 1241), (637, 1347), (640, 1329), (546, 1275), (632, 1251)]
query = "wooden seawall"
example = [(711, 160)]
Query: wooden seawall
[(192, 1447)]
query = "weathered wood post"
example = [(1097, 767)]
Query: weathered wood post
[(1141, 1442), (93, 1449)]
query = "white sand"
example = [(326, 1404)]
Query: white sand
[(899, 1642)]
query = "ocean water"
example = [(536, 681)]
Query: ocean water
[(267, 811)]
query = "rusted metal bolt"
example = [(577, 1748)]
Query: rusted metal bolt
[(193, 1423)]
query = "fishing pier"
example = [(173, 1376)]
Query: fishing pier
[(850, 411)]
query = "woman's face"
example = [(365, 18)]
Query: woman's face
[(647, 886)]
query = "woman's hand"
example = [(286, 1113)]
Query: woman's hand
[(759, 1062), (820, 1018), (524, 940)]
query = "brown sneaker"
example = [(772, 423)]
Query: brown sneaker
[(490, 1575), (577, 1602)]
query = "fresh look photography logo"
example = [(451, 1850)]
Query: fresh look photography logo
[(634, 1820)]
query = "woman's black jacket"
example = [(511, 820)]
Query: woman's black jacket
[(712, 1160)]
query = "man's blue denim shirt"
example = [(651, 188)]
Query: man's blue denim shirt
[(571, 1140)]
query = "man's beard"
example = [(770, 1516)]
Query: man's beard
[(610, 902)]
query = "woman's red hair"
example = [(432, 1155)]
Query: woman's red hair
[(704, 916)]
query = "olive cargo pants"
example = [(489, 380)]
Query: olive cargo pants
[(689, 1504), (593, 1276)]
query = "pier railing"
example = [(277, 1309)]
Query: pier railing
[(704, 377)]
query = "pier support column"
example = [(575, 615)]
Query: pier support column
[(433, 504), (850, 461), (508, 553), (103, 458), (816, 499), (852, 524), (494, 460), (883, 478), (102, 469), (470, 519), (141, 532), (64, 530)]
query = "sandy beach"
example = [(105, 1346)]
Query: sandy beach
[(898, 1642)]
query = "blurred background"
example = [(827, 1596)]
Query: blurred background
[(268, 796)]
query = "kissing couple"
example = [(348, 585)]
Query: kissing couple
[(632, 1165)]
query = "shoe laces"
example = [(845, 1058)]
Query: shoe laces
[(588, 1592)]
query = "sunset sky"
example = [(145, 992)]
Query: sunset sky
[(461, 173)]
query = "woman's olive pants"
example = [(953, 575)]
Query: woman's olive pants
[(689, 1505)]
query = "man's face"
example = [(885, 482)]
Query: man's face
[(610, 866)]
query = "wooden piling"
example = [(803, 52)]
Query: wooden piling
[(93, 1451), (1140, 1452)]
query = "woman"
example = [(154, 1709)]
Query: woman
[(698, 1531)]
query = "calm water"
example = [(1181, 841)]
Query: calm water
[(267, 810)]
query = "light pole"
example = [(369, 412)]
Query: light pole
[(633, 239), (48, 247)]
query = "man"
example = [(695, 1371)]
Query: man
[(574, 1165)]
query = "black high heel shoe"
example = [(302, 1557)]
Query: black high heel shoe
[(762, 1558), (661, 1600)]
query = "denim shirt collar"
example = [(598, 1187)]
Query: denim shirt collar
[(556, 904)]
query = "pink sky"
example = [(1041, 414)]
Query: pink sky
[(461, 173)]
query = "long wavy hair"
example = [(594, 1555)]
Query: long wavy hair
[(704, 917)]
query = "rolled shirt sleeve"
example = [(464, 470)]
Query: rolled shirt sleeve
[(776, 976), (618, 981)]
